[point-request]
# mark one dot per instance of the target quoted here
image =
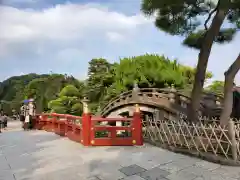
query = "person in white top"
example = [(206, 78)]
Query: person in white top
[(29, 114), (23, 110), (31, 109)]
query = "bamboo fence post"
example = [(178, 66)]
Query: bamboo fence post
[(231, 133)]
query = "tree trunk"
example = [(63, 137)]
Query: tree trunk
[(202, 63), (228, 91)]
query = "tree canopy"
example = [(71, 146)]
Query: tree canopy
[(191, 18), (68, 101), (153, 71), (43, 88)]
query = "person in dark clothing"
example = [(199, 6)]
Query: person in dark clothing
[(236, 102), (3, 121)]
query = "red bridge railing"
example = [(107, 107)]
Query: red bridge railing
[(93, 131)]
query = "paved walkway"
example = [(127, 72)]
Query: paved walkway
[(38, 155)]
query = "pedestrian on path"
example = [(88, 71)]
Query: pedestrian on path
[(30, 113), (23, 111), (3, 121)]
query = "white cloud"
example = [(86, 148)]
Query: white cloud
[(68, 22), (68, 53), (19, 1), (115, 37)]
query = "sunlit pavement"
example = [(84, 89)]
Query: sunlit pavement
[(40, 155)]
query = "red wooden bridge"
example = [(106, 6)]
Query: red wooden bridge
[(92, 130)]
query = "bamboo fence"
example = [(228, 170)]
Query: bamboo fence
[(206, 136)]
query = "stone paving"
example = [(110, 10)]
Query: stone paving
[(39, 155)]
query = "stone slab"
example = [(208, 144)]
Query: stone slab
[(154, 174), (132, 170)]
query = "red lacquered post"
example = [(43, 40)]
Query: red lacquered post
[(40, 123), (86, 127), (86, 124), (137, 127), (48, 125), (56, 128), (62, 127), (54, 120)]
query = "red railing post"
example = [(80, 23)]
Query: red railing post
[(62, 127), (137, 127), (86, 129), (54, 119), (40, 123), (86, 124)]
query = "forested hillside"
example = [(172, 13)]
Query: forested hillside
[(43, 88), (62, 93)]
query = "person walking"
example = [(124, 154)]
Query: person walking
[(30, 113), (23, 110), (5, 121), (1, 121)]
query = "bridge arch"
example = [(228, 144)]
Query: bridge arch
[(148, 100), (169, 100)]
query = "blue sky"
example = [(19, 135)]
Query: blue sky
[(61, 36)]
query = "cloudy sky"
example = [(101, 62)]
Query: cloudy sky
[(61, 36)]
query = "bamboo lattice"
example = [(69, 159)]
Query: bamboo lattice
[(237, 132), (202, 137)]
